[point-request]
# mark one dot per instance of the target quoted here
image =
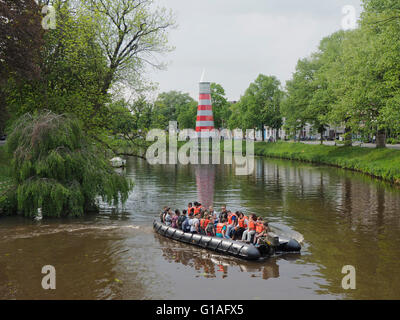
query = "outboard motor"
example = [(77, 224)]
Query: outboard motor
[(292, 246), (266, 250)]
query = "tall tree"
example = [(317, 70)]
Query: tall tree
[(21, 41), (260, 105), (299, 93), (131, 32), (324, 98), (176, 106)]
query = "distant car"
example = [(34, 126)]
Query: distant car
[(3, 138)]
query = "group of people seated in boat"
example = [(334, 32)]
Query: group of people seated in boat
[(227, 224)]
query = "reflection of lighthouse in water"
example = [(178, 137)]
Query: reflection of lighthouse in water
[(205, 179)]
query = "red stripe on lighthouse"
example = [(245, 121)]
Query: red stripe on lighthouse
[(205, 96), (205, 118), (199, 129), (200, 107)]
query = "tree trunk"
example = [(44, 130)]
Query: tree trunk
[(321, 136), (262, 133), (381, 139), (347, 137)]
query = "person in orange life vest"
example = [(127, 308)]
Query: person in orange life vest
[(189, 207), (232, 223), (251, 229), (259, 228), (241, 226), (204, 223), (197, 208), (263, 233), (221, 229)]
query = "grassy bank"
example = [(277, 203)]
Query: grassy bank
[(380, 163)]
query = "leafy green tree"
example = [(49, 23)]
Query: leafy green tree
[(380, 24), (311, 96), (130, 32), (176, 106), (235, 119), (324, 98), (72, 67), (21, 42), (221, 106), (260, 105), (369, 79), (187, 117), (55, 168), (299, 93)]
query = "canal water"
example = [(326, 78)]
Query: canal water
[(345, 218)]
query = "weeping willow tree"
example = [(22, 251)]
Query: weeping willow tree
[(55, 168)]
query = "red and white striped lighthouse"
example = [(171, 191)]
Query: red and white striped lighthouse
[(205, 118)]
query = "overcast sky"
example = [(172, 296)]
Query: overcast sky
[(235, 40)]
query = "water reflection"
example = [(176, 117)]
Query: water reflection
[(205, 180), (211, 265)]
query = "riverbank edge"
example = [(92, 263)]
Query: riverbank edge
[(383, 164)]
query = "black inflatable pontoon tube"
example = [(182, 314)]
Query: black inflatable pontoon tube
[(225, 246)]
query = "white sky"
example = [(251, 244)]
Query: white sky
[(235, 40)]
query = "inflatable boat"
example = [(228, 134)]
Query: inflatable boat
[(230, 247)]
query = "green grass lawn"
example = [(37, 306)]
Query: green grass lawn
[(381, 163)]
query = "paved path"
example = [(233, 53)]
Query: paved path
[(2, 143), (355, 144)]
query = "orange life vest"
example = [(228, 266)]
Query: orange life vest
[(260, 227), (242, 222), (197, 210), (204, 223), (220, 226), (230, 217), (252, 225)]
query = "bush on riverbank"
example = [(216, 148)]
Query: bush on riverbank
[(4, 178), (56, 168), (381, 163)]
